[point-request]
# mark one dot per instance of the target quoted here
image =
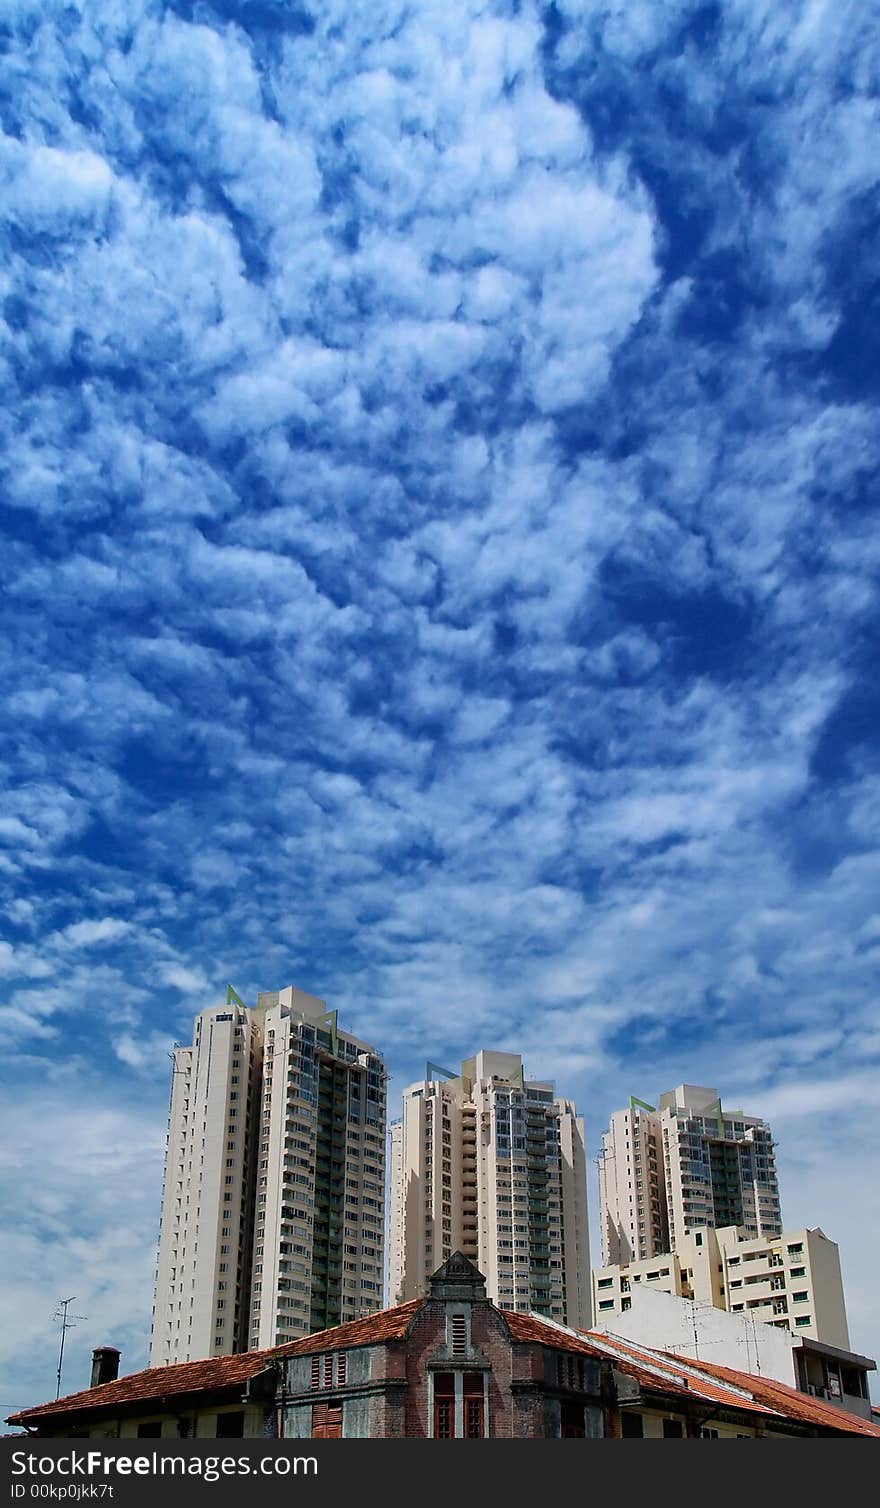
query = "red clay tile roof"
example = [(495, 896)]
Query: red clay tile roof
[(769, 1392), (385, 1324), (665, 1372), (528, 1327), (662, 1366), (649, 1368), (157, 1383), (762, 1393)]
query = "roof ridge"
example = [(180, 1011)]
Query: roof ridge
[(684, 1364)]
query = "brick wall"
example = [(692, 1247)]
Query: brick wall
[(489, 1346)]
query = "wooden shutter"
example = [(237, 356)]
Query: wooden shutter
[(326, 1421)]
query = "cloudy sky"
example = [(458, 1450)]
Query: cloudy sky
[(439, 461)]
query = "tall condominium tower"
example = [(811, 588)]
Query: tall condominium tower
[(272, 1212), (632, 1190), (319, 1226), (666, 1171), (492, 1165), (206, 1234)]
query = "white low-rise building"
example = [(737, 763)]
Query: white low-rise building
[(697, 1329)]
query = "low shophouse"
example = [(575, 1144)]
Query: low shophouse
[(450, 1365)]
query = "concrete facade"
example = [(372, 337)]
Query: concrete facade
[(791, 1282), (272, 1221), (492, 1165), (204, 1257), (688, 1327), (668, 1170), (319, 1219)]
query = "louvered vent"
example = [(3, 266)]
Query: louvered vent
[(459, 1334)]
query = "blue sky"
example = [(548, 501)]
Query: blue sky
[(439, 467)]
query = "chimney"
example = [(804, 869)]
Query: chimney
[(105, 1365)]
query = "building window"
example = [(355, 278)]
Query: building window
[(473, 1405), (673, 1429), (444, 1406), (326, 1421), (571, 1421), (469, 1420), (151, 1431), (230, 1426), (632, 1426)]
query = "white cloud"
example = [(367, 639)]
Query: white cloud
[(49, 190), (145, 1054), (87, 934), (188, 981), (420, 592)]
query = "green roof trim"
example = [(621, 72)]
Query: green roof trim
[(434, 1071), (331, 1019)]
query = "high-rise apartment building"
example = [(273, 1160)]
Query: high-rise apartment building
[(319, 1222), (632, 1190), (493, 1165), (666, 1171), (206, 1235), (273, 1203)]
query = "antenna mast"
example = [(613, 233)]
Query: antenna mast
[(66, 1324)]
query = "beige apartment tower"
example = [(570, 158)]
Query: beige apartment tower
[(206, 1232), (493, 1165), (272, 1220), (666, 1171), (792, 1280)]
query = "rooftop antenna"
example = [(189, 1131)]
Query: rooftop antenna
[(66, 1324)]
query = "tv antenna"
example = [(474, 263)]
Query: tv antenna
[(68, 1322)]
